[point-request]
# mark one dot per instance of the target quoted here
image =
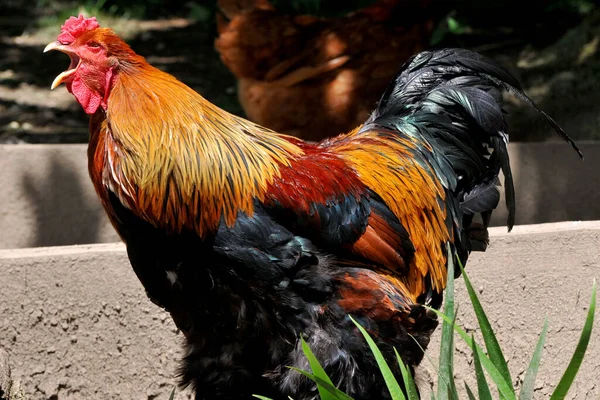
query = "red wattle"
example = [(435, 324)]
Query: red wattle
[(89, 100)]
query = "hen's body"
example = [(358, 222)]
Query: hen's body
[(251, 239), (316, 77)]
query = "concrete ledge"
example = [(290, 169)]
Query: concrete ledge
[(77, 324), (48, 200)]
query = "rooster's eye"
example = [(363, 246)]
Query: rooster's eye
[(93, 44)]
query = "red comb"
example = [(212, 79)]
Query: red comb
[(74, 27)]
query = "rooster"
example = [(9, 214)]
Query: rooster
[(251, 239)]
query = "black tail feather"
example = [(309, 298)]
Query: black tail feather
[(452, 99), (499, 147), (518, 92)]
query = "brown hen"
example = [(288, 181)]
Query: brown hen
[(314, 77)]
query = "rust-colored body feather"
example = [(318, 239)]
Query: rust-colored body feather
[(415, 196), (183, 163)]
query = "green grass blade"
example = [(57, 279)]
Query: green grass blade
[(446, 364), (331, 391), (482, 386), (491, 343), (505, 388), (526, 392), (567, 379), (429, 360), (318, 371), (409, 382), (469, 392), (450, 393), (452, 383), (172, 396), (388, 376), (261, 397)]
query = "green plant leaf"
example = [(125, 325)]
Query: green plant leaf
[(526, 392), (331, 391), (469, 392), (506, 390), (388, 376), (567, 379), (453, 25), (439, 33), (446, 362), (452, 393), (318, 371), (424, 353), (172, 396), (266, 398), (409, 382), (491, 343), (482, 386)]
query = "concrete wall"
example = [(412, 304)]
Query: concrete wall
[(77, 324), (47, 198)]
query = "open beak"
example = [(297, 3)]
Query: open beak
[(75, 60)]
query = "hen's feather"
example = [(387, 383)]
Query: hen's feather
[(315, 77)]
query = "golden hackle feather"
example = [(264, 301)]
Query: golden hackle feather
[(180, 162)]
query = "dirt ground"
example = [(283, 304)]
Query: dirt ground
[(558, 67)]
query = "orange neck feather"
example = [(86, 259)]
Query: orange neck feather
[(177, 160)]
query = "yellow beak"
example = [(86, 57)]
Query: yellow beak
[(53, 46), (72, 68)]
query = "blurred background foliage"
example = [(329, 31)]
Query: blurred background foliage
[(492, 15)]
